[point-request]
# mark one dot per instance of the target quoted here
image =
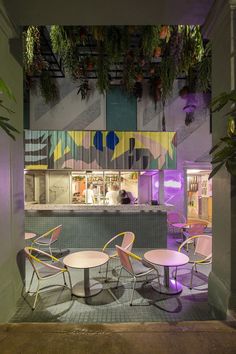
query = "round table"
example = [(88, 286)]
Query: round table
[(86, 260), (166, 258), (29, 235)]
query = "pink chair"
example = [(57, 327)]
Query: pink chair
[(193, 230), (127, 239), (48, 238), (137, 268), (45, 270), (202, 252), (175, 221)]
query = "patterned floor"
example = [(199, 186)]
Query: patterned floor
[(112, 304)]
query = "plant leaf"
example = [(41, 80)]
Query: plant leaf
[(215, 147), (6, 90), (215, 170)]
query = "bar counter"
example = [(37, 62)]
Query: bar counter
[(91, 226)]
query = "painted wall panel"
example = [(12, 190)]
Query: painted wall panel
[(81, 150)]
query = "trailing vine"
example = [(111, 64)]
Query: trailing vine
[(157, 53)]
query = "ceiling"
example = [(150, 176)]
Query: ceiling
[(108, 12)]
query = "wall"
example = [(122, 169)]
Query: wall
[(222, 281), (11, 179), (193, 141), (70, 112)]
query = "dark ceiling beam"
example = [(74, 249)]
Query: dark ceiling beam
[(107, 12)]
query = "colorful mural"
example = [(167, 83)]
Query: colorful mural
[(83, 150)]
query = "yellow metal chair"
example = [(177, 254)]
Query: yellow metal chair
[(137, 268), (44, 270), (127, 240), (202, 252), (48, 238)]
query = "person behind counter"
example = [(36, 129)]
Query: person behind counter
[(123, 197), (89, 194), (112, 195)]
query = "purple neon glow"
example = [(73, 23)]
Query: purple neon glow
[(170, 184), (173, 187)]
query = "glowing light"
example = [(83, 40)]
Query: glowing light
[(171, 183)]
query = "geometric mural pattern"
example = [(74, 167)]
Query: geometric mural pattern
[(83, 150)]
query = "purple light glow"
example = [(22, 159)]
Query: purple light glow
[(171, 183), (173, 187)]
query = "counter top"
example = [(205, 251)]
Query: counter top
[(128, 208)]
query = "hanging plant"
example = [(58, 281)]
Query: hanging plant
[(150, 40), (172, 50), (83, 89), (155, 88), (129, 72), (33, 59), (102, 70), (49, 88)]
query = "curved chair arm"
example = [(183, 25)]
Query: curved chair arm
[(144, 262), (113, 238), (47, 233), (207, 259), (187, 241), (29, 250)]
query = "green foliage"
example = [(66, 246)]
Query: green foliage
[(49, 88), (150, 40), (224, 152), (4, 121), (172, 50)]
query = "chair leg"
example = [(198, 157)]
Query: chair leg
[(132, 295), (50, 251), (36, 296), (64, 278), (106, 271), (32, 277), (118, 277), (191, 280), (70, 283)]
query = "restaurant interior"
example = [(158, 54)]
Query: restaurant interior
[(118, 198)]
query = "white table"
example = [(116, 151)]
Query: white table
[(29, 235), (86, 260), (167, 258)]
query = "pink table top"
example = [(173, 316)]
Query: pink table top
[(166, 258), (29, 235), (85, 259)]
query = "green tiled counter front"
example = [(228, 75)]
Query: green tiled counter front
[(93, 230)]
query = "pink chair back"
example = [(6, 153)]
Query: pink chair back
[(204, 245), (128, 240), (56, 233), (124, 259), (196, 229)]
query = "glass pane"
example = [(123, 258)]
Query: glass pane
[(129, 183), (78, 187)]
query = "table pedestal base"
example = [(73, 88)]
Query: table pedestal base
[(173, 288), (93, 288)]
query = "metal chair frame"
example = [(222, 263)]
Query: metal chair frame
[(115, 255), (32, 259), (55, 233), (203, 261), (132, 273)]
